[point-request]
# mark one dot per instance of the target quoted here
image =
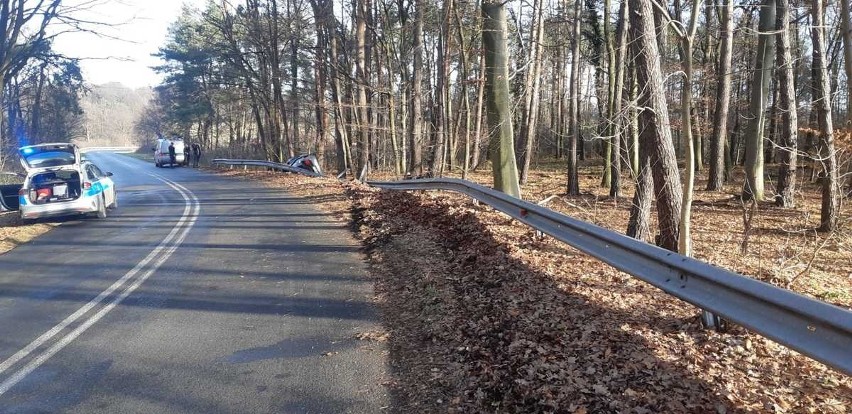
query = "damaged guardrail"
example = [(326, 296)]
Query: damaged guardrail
[(266, 164), (817, 329)]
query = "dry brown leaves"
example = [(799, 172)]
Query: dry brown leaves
[(482, 316), (522, 325), (13, 232)]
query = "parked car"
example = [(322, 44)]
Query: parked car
[(59, 182), (161, 153)]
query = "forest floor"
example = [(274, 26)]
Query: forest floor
[(483, 316)]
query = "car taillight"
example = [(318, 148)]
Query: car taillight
[(87, 185)]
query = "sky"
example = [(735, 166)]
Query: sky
[(124, 55)]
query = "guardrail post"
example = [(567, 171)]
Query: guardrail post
[(712, 321)]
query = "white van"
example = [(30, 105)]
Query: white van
[(161, 153)]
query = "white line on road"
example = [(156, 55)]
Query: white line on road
[(162, 252)]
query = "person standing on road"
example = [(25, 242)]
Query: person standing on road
[(196, 154), (172, 155), (186, 158)]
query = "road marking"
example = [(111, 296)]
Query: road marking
[(162, 252)]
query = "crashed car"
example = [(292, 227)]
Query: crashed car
[(59, 182), (306, 162)]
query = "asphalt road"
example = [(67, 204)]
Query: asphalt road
[(199, 294)]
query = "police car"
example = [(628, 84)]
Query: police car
[(59, 182)]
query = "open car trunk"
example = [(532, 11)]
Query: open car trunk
[(54, 186)]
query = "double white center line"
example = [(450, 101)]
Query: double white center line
[(129, 282)]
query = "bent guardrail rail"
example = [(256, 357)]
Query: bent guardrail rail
[(267, 164), (817, 329)]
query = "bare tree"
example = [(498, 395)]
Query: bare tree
[(822, 107), (687, 38), (787, 106), (531, 89), (416, 125), (25, 35), (574, 105), (362, 11), (616, 119), (654, 122), (501, 146), (754, 184), (320, 9), (846, 33), (723, 97)]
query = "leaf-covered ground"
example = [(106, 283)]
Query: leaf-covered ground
[(483, 316)]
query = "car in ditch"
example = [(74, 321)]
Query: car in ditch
[(307, 162), (60, 182)]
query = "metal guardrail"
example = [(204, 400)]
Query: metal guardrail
[(109, 149), (267, 164), (812, 327)]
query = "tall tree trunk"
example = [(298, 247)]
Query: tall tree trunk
[(476, 158), (528, 129), (684, 234), (35, 112), (822, 106), (416, 125), (559, 122), (788, 134), (501, 146), (609, 130), (639, 225), (754, 184), (723, 97), (442, 119), (344, 155), (573, 187), (398, 158), (363, 113), (321, 65), (294, 79), (654, 122), (632, 115), (465, 72), (846, 31), (616, 117)]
